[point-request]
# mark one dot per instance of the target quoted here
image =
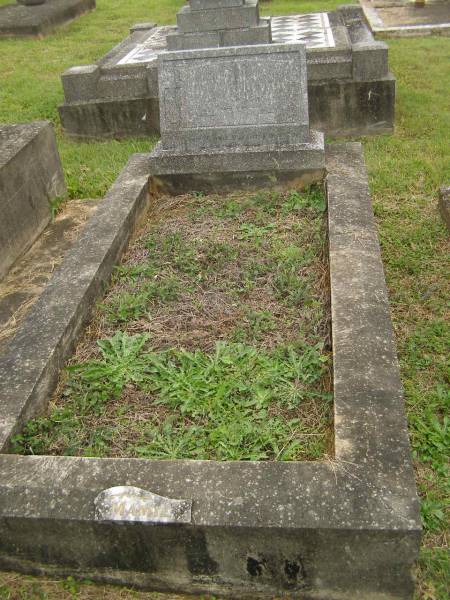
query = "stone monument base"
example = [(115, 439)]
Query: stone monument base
[(220, 170), (39, 20)]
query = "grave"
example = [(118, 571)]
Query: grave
[(350, 88), (31, 177), (346, 527), (39, 17)]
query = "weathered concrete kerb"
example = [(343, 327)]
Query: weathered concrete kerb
[(31, 176), (343, 529), (30, 369)]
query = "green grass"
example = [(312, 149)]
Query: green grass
[(405, 171)]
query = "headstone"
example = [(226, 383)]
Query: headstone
[(215, 23), (231, 111), (30, 176)]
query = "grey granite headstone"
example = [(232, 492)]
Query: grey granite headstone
[(228, 97), (228, 110), (215, 23)]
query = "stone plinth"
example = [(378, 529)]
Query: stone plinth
[(211, 24), (40, 19), (235, 110), (30, 176)]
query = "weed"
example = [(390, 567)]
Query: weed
[(220, 406)]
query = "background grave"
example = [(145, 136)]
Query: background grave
[(350, 88), (39, 19)]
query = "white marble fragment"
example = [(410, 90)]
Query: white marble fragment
[(129, 503)]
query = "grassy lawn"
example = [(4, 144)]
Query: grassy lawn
[(405, 171), (212, 342)]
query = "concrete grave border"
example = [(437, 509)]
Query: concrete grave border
[(342, 529), (31, 177), (19, 20)]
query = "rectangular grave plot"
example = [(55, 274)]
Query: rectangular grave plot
[(220, 310), (343, 528)]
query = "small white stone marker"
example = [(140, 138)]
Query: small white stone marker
[(129, 503)]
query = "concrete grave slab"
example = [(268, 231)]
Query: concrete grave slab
[(40, 19), (404, 18), (30, 177), (350, 88), (345, 528)]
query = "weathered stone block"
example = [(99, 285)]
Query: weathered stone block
[(216, 170), (239, 96), (207, 4), (260, 34), (122, 84), (370, 60), (80, 83), (191, 41), (190, 21), (30, 176), (245, 36)]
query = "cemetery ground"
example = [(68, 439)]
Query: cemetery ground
[(406, 170)]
